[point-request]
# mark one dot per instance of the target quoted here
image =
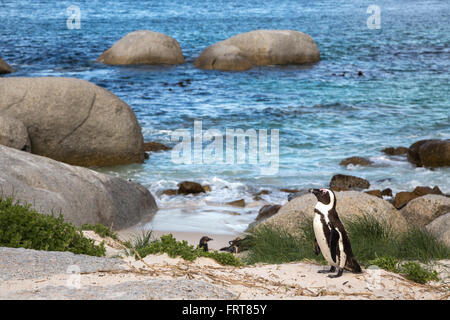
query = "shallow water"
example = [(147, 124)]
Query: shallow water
[(322, 118)]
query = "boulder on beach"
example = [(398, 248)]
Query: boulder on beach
[(430, 153), (4, 67), (73, 120), (356, 161), (402, 198), (440, 228), (14, 134), (350, 204), (79, 194), (143, 47), (152, 146), (422, 210), (259, 48), (342, 182)]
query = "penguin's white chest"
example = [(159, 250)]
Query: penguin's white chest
[(322, 240)]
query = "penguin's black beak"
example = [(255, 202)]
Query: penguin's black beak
[(315, 192)]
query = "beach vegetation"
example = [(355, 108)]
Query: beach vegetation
[(23, 227), (145, 244)]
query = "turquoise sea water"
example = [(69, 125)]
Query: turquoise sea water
[(322, 118)]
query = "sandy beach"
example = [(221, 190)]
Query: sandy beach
[(162, 277)]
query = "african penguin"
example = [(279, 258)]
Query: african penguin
[(204, 243), (331, 238)]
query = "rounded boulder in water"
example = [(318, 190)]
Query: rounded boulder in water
[(143, 47), (259, 48)]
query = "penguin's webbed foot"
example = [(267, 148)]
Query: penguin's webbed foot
[(337, 275), (332, 269)]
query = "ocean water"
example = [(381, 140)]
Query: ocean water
[(322, 118)]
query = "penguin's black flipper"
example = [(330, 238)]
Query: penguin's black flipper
[(316, 247), (334, 242)]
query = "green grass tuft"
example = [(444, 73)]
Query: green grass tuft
[(386, 263), (415, 272), (274, 245), (21, 226)]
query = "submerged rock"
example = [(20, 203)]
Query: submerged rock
[(376, 193), (189, 187), (170, 192), (237, 203), (258, 195), (342, 182), (152, 146), (297, 194), (4, 67), (289, 190), (143, 47), (73, 120), (259, 48), (402, 198), (391, 151), (267, 211), (79, 194), (356, 161), (386, 192)]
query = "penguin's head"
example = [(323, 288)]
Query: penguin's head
[(324, 196), (205, 239)]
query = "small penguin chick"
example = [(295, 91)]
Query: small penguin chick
[(204, 243)]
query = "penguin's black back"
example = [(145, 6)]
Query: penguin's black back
[(351, 262)]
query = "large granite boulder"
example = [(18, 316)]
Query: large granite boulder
[(4, 67), (73, 120), (143, 47), (79, 194), (14, 134), (440, 228), (259, 48), (421, 211), (350, 204), (430, 153)]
